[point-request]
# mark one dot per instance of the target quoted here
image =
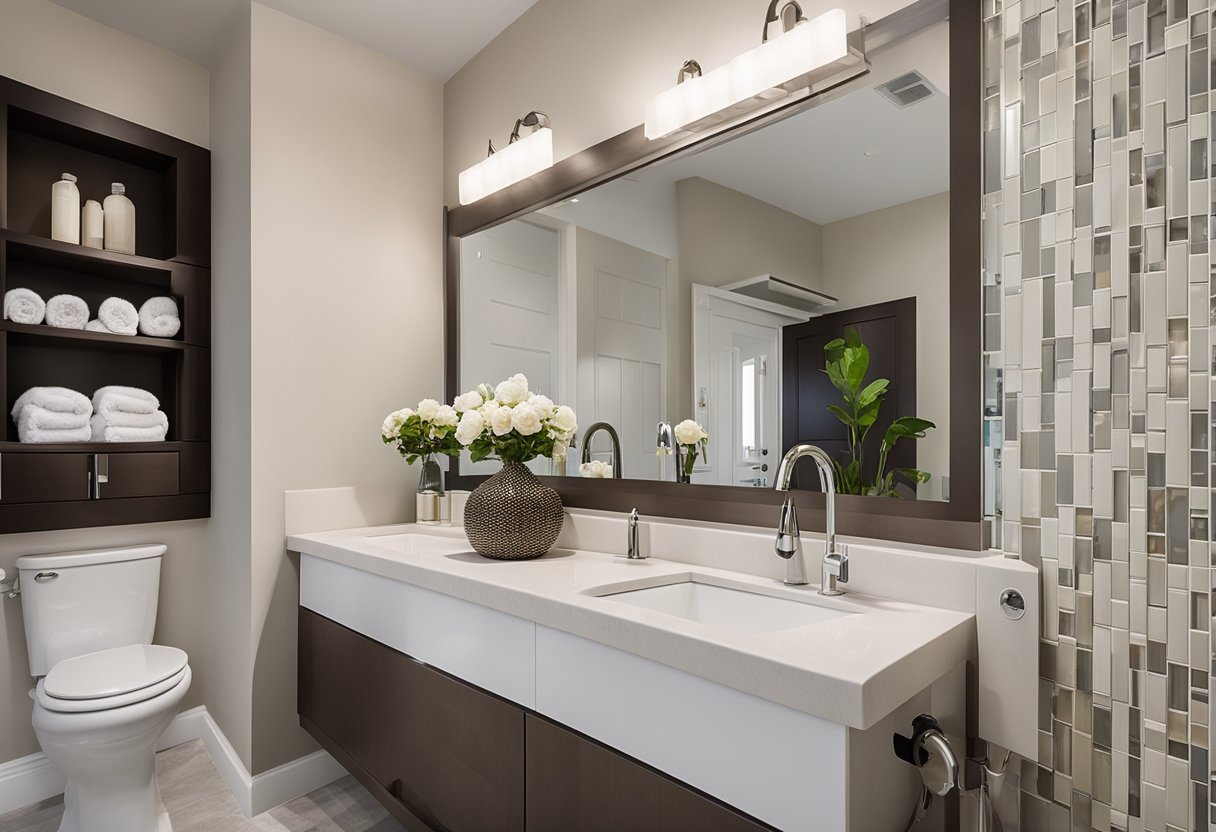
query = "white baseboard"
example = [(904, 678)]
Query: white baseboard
[(34, 778)]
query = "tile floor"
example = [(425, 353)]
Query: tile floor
[(198, 801)]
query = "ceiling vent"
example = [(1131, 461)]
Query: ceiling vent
[(907, 89)]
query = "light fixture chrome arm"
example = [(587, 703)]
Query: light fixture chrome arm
[(790, 16), (612, 437), (534, 119), (789, 544)]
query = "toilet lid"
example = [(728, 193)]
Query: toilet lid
[(113, 672)]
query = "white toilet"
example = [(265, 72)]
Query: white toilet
[(105, 693)]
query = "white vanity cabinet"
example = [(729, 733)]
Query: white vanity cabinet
[(584, 736)]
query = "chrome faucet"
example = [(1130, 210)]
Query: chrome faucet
[(789, 544), (666, 444), (634, 551), (616, 445)]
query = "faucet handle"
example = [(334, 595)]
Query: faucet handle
[(836, 563)]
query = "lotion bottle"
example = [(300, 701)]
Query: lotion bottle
[(65, 210), (92, 225), (119, 219)]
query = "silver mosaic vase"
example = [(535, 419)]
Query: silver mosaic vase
[(513, 515)]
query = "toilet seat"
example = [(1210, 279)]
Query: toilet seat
[(111, 678)]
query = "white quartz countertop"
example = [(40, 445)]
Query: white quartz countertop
[(852, 670)]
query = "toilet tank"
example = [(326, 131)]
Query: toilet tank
[(80, 602)]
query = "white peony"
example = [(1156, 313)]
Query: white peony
[(467, 401), (689, 432), (471, 426), (526, 420), (512, 391), (427, 409), (445, 416), (564, 420), (394, 421), (543, 404), (501, 421), (596, 469)]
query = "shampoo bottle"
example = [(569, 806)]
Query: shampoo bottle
[(92, 229), (119, 221), (65, 210)]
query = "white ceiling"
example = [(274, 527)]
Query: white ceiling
[(437, 38), (815, 164)]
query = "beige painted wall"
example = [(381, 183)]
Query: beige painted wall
[(898, 252), (346, 293), (229, 645), (127, 77), (592, 66)]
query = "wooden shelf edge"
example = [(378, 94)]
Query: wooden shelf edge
[(108, 340), (84, 254), (84, 514), (97, 447)]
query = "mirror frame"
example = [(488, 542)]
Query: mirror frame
[(957, 523)]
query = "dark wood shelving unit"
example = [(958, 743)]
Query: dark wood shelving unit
[(74, 485)]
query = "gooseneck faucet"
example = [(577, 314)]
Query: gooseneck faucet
[(616, 445), (789, 544), (666, 444)]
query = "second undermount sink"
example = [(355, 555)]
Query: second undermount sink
[(730, 608)]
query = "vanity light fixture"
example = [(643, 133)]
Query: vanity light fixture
[(806, 54), (522, 157)]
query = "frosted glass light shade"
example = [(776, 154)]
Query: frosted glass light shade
[(518, 160), (769, 71)]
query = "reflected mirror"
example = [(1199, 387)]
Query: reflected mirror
[(789, 285)]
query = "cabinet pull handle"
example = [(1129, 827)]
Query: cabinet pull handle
[(407, 798), (101, 473)]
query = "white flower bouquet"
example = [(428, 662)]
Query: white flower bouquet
[(419, 433), (692, 438), (596, 469), (511, 423)]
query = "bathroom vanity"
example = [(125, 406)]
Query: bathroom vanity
[(588, 691)]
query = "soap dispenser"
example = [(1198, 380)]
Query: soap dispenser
[(119, 218), (65, 210)]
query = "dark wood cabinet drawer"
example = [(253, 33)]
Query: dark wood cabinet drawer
[(43, 478), (448, 755), (577, 785), (136, 475)]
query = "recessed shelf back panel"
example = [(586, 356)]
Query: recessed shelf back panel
[(36, 163), (37, 362)]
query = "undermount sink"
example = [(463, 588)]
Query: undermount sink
[(730, 608), (420, 544)]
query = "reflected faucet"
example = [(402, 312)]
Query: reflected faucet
[(616, 445), (789, 543), (666, 444)]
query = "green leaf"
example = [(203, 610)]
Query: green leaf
[(907, 426), (858, 366), (851, 338), (873, 392), (914, 476), (841, 414)]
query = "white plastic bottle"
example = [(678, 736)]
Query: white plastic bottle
[(92, 230), (65, 210), (119, 221)]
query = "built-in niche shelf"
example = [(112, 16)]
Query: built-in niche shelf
[(70, 485)]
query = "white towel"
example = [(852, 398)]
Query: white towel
[(56, 400), (119, 419), (110, 400), (41, 426), (119, 316), (103, 432), (67, 312), (159, 317), (23, 306), (96, 326)]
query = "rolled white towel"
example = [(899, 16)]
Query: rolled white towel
[(103, 432), (56, 400), (23, 306), (119, 316), (115, 399), (159, 317), (96, 326), (67, 312), (42, 426), (119, 419)]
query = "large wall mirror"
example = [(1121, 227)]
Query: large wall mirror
[(752, 279)]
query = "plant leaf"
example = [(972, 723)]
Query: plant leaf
[(841, 414), (874, 391), (858, 366)]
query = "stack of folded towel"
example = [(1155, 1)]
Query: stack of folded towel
[(52, 414), (127, 414), (159, 317)]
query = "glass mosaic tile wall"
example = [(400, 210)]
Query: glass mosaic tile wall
[(1098, 302)]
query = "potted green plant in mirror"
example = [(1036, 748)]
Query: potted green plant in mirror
[(513, 515), (848, 362), (691, 439), (422, 434)]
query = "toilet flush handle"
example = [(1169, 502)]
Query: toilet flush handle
[(43, 577)]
